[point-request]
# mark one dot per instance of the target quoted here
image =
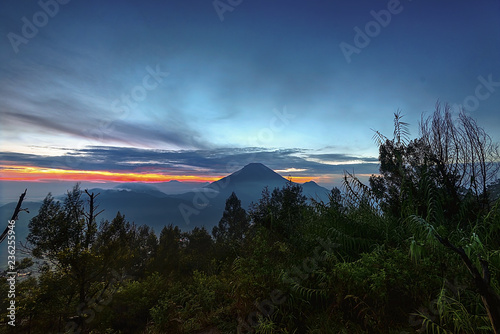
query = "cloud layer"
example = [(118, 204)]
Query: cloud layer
[(169, 86), (213, 162)]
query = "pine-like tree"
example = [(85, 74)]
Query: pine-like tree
[(233, 224)]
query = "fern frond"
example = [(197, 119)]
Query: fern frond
[(401, 130), (365, 311), (431, 326), (357, 193), (379, 138), (309, 293)]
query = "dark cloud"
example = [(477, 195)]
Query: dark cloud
[(213, 161), (78, 124), (342, 157)]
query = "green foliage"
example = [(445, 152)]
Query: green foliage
[(185, 308), (233, 228), (57, 228), (64, 235), (367, 261), (266, 326), (281, 211), (233, 224), (127, 307), (197, 251), (125, 247), (452, 162), (25, 263), (167, 257), (452, 316)]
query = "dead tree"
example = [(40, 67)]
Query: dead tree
[(466, 156), (91, 217), (14, 215)]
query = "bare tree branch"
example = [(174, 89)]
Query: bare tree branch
[(489, 297), (15, 214)]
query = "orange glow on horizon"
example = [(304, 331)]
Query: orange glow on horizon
[(39, 174), (42, 174), (302, 179)]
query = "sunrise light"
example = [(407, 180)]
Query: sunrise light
[(34, 174), (41, 174)]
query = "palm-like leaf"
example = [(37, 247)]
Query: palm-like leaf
[(401, 130)]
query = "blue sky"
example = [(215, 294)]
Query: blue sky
[(168, 87)]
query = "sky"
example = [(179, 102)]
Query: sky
[(152, 91)]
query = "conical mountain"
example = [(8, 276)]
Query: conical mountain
[(251, 173), (249, 182)]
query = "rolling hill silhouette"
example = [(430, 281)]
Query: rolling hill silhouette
[(146, 204)]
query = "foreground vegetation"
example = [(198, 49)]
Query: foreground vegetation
[(382, 258)]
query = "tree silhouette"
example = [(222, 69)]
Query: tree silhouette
[(167, 257), (281, 211), (466, 156), (64, 235), (233, 224)]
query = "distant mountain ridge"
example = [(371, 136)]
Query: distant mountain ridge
[(249, 182), (147, 204), (144, 188)]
